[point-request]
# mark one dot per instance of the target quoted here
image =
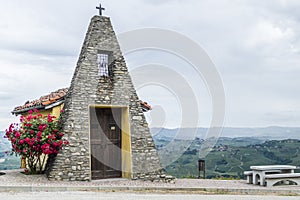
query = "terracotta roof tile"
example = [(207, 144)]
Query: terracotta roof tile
[(42, 101), (145, 106)]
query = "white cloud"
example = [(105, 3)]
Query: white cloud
[(268, 33)]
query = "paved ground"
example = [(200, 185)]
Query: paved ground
[(131, 196), (15, 181)]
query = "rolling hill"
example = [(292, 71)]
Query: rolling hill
[(234, 152)]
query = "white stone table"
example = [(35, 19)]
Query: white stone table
[(259, 172)]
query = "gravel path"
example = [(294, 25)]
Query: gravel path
[(16, 178)]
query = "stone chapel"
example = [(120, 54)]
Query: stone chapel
[(103, 119)]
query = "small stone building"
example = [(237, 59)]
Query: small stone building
[(103, 119)]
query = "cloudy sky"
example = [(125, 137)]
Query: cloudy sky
[(254, 44)]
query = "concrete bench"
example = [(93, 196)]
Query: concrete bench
[(272, 179), (249, 175)]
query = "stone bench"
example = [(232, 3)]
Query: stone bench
[(272, 179), (249, 175)]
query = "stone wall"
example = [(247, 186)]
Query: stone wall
[(88, 88)]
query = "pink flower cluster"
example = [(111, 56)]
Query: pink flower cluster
[(36, 135)]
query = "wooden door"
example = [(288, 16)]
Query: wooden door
[(105, 130)]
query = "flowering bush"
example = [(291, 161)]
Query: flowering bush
[(35, 137)]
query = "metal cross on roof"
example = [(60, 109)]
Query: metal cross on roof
[(100, 9)]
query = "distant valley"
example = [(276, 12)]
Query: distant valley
[(234, 152)]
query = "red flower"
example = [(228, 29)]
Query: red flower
[(27, 140), (17, 134), (45, 146), (49, 118), (36, 110), (28, 125), (42, 127), (39, 134), (29, 117), (10, 129), (30, 112), (52, 137)]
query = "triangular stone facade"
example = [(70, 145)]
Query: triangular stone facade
[(89, 89)]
